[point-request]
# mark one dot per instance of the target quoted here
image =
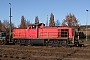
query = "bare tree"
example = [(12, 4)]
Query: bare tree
[(47, 21), (70, 21), (36, 20), (23, 22), (51, 22), (6, 26), (57, 23), (2, 27), (6, 23)]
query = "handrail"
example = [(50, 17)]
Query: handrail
[(48, 34)]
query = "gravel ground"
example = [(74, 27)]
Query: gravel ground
[(16, 52)]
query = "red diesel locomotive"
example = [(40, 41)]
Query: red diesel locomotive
[(38, 34)]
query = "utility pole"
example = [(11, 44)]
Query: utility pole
[(47, 21), (86, 23), (78, 32), (10, 23)]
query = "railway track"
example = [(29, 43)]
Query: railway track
[(16, 52)]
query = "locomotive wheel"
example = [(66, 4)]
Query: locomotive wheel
[(2, 42), (46, 43), (59, 44), (50, 43), (76, 44), (63, 43), (55, 44)]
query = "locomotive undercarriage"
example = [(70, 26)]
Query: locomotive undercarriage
[(53, 42), (2, 42), (45, 42), (21, 41)]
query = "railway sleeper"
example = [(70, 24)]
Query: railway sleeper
[(2, 42)]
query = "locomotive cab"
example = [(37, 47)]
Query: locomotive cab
[(33, 26)]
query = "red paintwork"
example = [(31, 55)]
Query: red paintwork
[(31, 33), (49, 32), (42, 32), (19, 33), (53, 32)]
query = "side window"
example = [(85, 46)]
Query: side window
[(64, 32), (33, 27)]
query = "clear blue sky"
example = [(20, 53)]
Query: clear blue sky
[(42, 8)]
